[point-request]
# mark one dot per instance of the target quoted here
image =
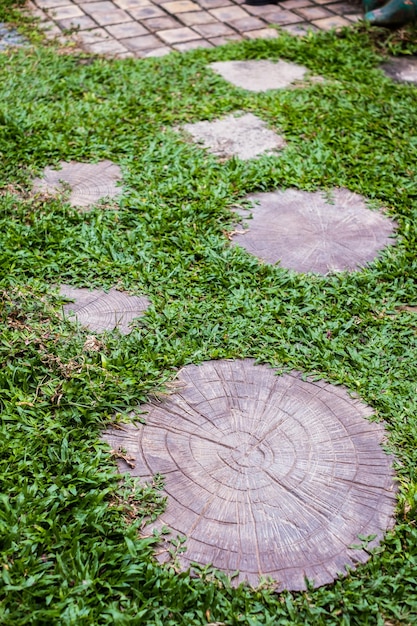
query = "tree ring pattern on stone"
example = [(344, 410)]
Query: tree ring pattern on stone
[(88, 182), (273, 476), (100, 311), (307, 232)]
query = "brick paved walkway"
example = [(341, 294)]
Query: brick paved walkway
[(143, 28)]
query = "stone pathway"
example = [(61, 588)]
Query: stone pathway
[(143, 28)]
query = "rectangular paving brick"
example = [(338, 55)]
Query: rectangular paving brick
[(111, 47), (143, 13), (342, 8), (328, 23), (280, 16), (213, 4), (161, 23), (177, 35), (180, 6), (141, 43), (132, 4), (105, 12), (220, 41), (48, 4), (192, 45), (247, 23), (263, 33), (260, 11), (295, 4), (226, 14), (197, 17), (127, 29), (94, 35), (313, 13), (217, 29), (60, 13), (154, 52), (301, 29), (81, 22)]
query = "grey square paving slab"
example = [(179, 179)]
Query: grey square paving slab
[(260, 75), (245, 136)]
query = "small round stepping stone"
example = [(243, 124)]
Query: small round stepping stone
[(269, 475), (306, 232), (245, 136), (260, 75), (402, 69), (100, 311), (10, 37), (88, 182)]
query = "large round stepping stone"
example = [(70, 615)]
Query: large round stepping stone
[(306, 232), (88, 182), (402, 69), (260, 75), (244, 136), (269, 475), (100, 311)]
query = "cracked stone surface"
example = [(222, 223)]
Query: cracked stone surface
[(245, 136), (306, 232), (260, 75), (269, 475), (100, 311), (88, 182), (10, 37), (402, 69)]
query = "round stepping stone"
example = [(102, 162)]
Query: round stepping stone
[(402, 69), (269, 475), (88, 182), (245, 136), (260, 75), (10, 37), (100, 311), (306, 232)]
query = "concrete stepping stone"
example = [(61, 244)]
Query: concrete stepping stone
[(269, 475), (100, 311), (402, 69), (88, 182), (245, 136), (306, 232), (9, 37), (260, 75)]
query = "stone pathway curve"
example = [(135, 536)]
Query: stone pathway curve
[(143, 28)]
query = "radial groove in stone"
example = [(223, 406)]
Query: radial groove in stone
[(100, 311), (260, 75), (269, 475), (306, 232), (88, 182), (245, 136), (401, 69)]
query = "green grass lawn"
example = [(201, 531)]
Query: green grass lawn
[(69, 529)]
